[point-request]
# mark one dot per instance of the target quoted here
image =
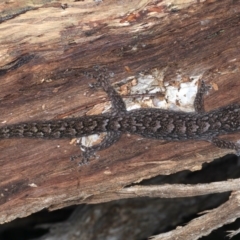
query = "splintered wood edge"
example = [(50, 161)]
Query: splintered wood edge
[(45, 183), (204, 225)]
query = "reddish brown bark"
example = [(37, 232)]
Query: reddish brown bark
[(44, 51)]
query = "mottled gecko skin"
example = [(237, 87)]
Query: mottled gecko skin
[(149, 123)]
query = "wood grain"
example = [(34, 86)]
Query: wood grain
[(45, 48)]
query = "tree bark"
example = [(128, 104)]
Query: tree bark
[(45, 51)]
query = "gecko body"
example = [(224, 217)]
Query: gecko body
[(149, 123)]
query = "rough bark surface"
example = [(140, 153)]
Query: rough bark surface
[(45, 48)]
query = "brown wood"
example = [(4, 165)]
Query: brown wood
[(45, 48)]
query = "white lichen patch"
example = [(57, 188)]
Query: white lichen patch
[(151, 91), (182, 98), (91, 140)]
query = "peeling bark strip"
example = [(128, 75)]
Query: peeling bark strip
[(202, 226), (167, 191), (45, 50)]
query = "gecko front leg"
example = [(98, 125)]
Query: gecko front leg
[(89, 152), (118, 105)]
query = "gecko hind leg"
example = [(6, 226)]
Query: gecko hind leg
[(199, 100), (226, 144), (89, 152)]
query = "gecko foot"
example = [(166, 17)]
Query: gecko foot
[(81, 163), (87, 154), (102, 75), (221, 143)]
